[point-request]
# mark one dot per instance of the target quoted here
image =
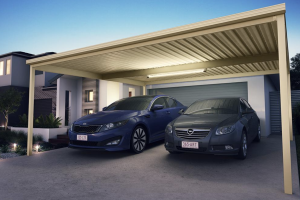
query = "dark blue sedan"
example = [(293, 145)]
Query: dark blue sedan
[(129, 123)]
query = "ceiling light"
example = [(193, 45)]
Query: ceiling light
[(176, 73)]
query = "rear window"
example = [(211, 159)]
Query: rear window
[(134, 103), (214, 106)]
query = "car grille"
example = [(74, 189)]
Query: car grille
[(87, 129), (195, 133)]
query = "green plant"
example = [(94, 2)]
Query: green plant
[(46, 146), (23, 120), (296, 117), (49, 121), (18, 149), (5, 148)]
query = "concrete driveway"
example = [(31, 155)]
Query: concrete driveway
[(84, 174)]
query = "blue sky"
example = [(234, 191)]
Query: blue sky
[(37, 26)]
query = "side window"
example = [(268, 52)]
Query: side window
[(171, 102), (247, 104), (160, 101), (243, 106)]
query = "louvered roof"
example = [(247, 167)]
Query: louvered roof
[(244, 35)]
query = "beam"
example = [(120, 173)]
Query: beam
[(177, 33), (193, 66), (284, 101), (237, 75), (67, 71), (128, 81), (30, 111)]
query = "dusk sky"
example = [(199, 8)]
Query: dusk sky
[(37, 26)]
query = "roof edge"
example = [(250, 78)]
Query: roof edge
[(203, 25)]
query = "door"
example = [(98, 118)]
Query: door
[(173, 108), (159, 119)]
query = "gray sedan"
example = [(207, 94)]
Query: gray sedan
[(223, 126)]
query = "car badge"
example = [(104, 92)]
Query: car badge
[(190, 131)]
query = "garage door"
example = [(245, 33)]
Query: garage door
[(188, 94)]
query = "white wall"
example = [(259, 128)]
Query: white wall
[(63, 85), (113, 92), (137, 89), (256, 94), (109, 92), (19, 72), (79, 98)]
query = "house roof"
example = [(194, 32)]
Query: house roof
[(25, 55)]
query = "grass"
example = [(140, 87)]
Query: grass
[(297, 140)]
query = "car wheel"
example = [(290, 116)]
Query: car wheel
[(243, 147), (138, 140), (258, 136)]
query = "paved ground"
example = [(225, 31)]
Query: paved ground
[(154, 174)]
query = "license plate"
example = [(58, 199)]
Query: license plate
[(190, 145), (82, 137)]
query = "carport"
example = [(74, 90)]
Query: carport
[(246, 44)]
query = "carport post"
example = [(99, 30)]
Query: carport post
[(290, 105), (30, 111), (283, 75)]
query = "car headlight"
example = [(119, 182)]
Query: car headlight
[(225, 130), (113, 125), (72, 127), (169, 129)]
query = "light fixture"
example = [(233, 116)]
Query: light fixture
[(15, 145), (176, 73), (37, 148)]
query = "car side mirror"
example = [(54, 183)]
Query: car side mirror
[(157, 107), (181, 111), (103, 109)]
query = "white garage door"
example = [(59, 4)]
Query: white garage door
[(188, 94)]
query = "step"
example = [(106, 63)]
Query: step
[(58, 141), (62, 137)]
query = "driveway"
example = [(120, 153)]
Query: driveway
[(84, 174)]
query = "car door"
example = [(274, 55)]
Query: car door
[(246, 119), (159, 119), (254, 120), (173, 108)]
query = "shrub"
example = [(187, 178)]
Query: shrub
[(5, 148), (296, 117), (20, 150), (23, 120), (8, 137), (46, 146)]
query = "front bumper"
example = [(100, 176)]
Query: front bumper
[(211, 144), (100, 140)]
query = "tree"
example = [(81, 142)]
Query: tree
[(295, 72), (10, 100)]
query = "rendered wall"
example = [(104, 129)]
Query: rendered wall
[(19, 72), (137, 89)]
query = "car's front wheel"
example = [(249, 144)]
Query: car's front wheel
[(243, 147), (138, 140)]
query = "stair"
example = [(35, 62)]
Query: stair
[(60, 141)]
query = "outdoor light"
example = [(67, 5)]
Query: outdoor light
[(37, 148), (15, 145), (176, 73)]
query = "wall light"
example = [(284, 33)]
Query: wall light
[(37, 148), (176, 73), (15, 145)]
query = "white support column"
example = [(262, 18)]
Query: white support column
[(290, 106), (30, 111), (283, 72), (144, 90)]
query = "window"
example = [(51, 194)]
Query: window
[(89, 111), (171, 102), (243, 106), (1, 68), (8, 66), (160, 101), (89, 96)]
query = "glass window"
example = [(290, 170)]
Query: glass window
[(132, 103), (171, 102), (160, 101), (247, 104), (243, 106), (214, 106), (1, 68), (8, 66), (89, 95), (89, 111)]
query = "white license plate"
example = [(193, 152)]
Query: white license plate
[(190, 145), (82, 137)]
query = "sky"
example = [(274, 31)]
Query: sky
[(38, 26)]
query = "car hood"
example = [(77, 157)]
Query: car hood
[(105, 117), (205, 120)]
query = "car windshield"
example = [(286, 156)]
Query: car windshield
[(214, 106), (133, 103)]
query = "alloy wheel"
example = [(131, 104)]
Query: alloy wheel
[(139, 139), (245, 145)]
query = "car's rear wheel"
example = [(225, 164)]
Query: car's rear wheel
[(138, 140), (243, 147), (258, 136)]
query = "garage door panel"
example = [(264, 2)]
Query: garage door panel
[(188, 94)]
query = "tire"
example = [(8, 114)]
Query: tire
[(138, 140), (243, 147), (258, 136)]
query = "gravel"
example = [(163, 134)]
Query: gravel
[(8, 155)]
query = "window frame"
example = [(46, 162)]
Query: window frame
[(88, 96), (7, 67), (2, 70)]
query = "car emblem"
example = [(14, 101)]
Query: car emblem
[(190, 131)]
